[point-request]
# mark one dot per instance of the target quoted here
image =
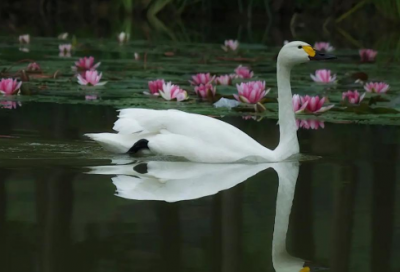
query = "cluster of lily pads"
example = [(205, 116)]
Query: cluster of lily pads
[(205, 85)]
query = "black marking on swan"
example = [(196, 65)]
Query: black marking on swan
[(141, 168), (139, 145)]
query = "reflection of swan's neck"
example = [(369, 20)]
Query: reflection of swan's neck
[(288, 144), (282, 261)]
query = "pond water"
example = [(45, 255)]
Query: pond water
[(67, 205)]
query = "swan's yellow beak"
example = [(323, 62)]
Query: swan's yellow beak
[(309, 50), (306, 268)]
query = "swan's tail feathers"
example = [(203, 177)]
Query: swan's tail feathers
[(117, 143), (126, 125), (144, 121)]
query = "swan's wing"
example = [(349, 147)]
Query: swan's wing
[(194, 126)]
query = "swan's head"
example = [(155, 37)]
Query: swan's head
[(294, 53)]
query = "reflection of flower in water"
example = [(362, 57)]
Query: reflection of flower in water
[(249, 117), (310, 124), (9, 104), (90, 97), (24, 49)]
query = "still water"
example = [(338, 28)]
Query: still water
[(66, 205)]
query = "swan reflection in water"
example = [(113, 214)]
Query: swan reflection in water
[(177, 181)]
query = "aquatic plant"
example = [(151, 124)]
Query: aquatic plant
[(243, 72), (376, 87), (136, 56), (251, 92), (311, 104), (91, 78), (205, 90), (352, 97), (63, 36), (155, 86), (24, 39), (8, 86), (230, 45), (298, 106), (171, 92), (367, 55), (123, 37), (224, 80), (65, 50), (85, 63), (202, 78), (33, 67), (323, 76), (324, 46), (310, 124)]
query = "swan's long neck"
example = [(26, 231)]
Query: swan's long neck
[(288, 144)]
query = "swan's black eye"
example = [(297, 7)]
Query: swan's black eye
[(299, 47)]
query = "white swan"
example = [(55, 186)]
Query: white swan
[(200, 138)]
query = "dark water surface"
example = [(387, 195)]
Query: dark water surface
[(61, 211)]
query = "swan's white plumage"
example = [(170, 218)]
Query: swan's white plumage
[(201, 138), (176, 133)]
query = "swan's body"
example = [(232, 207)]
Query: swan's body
[(204, 139)]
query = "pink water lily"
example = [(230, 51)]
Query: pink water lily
[(202, 78), (91, 78), (314, 104), (224, 80), (309, 124), (171, 92), (155, 86), (205, 90), (376, 87), (9, 105), (65, 50), (230, 45), (243, 72), (24, 39), (123, 37), (367, 55), (324, 46), (298, 106), (85, 63), (323, 76), (33, 67), (251, 92), (353, 97), (9, 86)]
